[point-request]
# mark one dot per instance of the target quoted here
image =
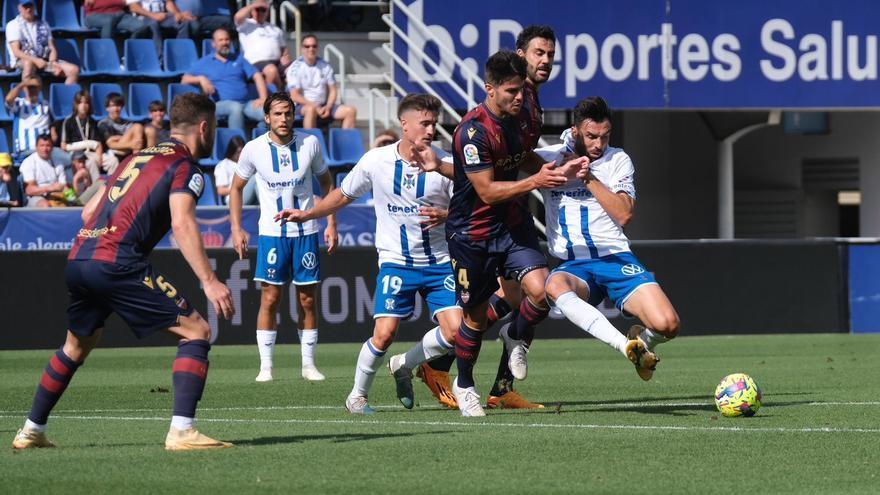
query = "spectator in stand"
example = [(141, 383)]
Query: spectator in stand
[(384, 138), (121, 136), (225, 170), (224, 76), (156, 130), (30, 114), (85, 182), (10, 193), (163, 15), (30, 46), (208, 19), (111, 17), (313, 88), (79, 132), (262, 43), (43, 177)]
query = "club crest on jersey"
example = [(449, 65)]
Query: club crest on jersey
[(284, 160), (631, 270), (471, 155), (470, 132), (309, 260), (196, 184), (389, 304), (409, 181)]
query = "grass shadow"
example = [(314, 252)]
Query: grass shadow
[(333, 438)]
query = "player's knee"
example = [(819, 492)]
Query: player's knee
[(309, 111), (667, 324), (71, 70), (307, 301), (382, 338), (270, 299), (555, 287)]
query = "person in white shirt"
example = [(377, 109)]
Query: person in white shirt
[(31, 117), (585, 220), (41, 175), (161, 15), (262, 43), (312, 86), (283, 163), (31, 48), (413, 258)]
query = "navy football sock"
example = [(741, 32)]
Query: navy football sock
[(54, 381), (188, 375), (523, 327), (503, 377), (467, 348)]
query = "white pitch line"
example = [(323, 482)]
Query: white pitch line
[(478, 424)]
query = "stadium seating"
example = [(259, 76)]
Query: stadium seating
[(221, 141), (10, 11), (175, 89), (61, 99), (209, 196), (139, 97), (141, 59), (61, 16), (180, 55), (14, 75), (99, 92), (68, 51), (318, 134), (100, 58), (346, 147), (365, 199), (4, 143)]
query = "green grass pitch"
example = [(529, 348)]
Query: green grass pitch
[(603, 431)]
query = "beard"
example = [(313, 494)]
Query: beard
[(579, 147), (224, 52)]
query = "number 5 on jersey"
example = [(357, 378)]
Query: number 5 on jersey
[(127, 177)]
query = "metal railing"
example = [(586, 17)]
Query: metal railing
[(288, 7), (386, 121), (328, 49)]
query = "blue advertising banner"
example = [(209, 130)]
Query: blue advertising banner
[(864, 288), (662, 54), (28, 229)]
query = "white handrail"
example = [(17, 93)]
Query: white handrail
[(375, 93), (288, 6), (397, 87), (427, 87), (328, 49)]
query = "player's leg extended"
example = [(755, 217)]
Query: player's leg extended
[(190, 371), (369, 361), (308, 330), (56, 377), (270, 296), (532, 310), (650, 305), (468, 342)]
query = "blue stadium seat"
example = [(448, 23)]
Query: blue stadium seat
[(61, 16), (8, 76), (68, 51), (10, 11), (346, 147), (139, 97), (175, 89), (221, 141), (209, 196), (141, 59), (101, 58), (4, 142), (257, 132), (61, 99), (180, 55), (365, 199), (318, 134), (99, 92)]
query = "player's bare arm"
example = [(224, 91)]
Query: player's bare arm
[(189, 240), (493, 192), (426, 160), (92, 205), (331, 236), (619, 205), (334, 202), (434, 217), (239, 235)]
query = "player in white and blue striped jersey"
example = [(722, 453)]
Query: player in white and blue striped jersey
[(31, 118), (585, 220), (413, 258), (284, 163)]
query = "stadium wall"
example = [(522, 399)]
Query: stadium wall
[(739, 287)]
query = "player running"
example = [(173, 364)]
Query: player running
[(413, 258), (585, 220), (108, 272), (537, 46), (284, 163)]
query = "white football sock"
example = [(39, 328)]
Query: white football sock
[(308, 339), (30, 425), (432, 346), (591, 320), (266, 345), (182, 422), (369, 361), (652, 339)]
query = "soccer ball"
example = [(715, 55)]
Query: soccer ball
[(738, 395)]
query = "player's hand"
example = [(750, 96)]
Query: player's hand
[(331, 238), (257, 103), (572, 166), (585, 174), (40, 63), (291, 215), (240, 242), (324, 111), (423, 157), (220, 297), (434, 217), (549, 177), (207, 86)]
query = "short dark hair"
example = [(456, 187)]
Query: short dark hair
[(418, 101), (115, 99), (80, 96), (304, 38), (156, 105), (190, 109), (504, 66), (275, 97), (222, 28), (593, 108), (532, 32), (44, 137), (236, 143)]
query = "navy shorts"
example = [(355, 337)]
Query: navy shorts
[(477, 264), (142, 297)]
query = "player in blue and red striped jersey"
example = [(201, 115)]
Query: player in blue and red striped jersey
[(108, 272)]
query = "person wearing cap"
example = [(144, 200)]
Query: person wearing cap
[(163, 15), (30, 113), (261, 42), (86, 180), (31, 48), (10, 193), (42, 175)]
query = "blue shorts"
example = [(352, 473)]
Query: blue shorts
[(397, 285), (282, 260), (616, 276), (144, 299), (477, 264)]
